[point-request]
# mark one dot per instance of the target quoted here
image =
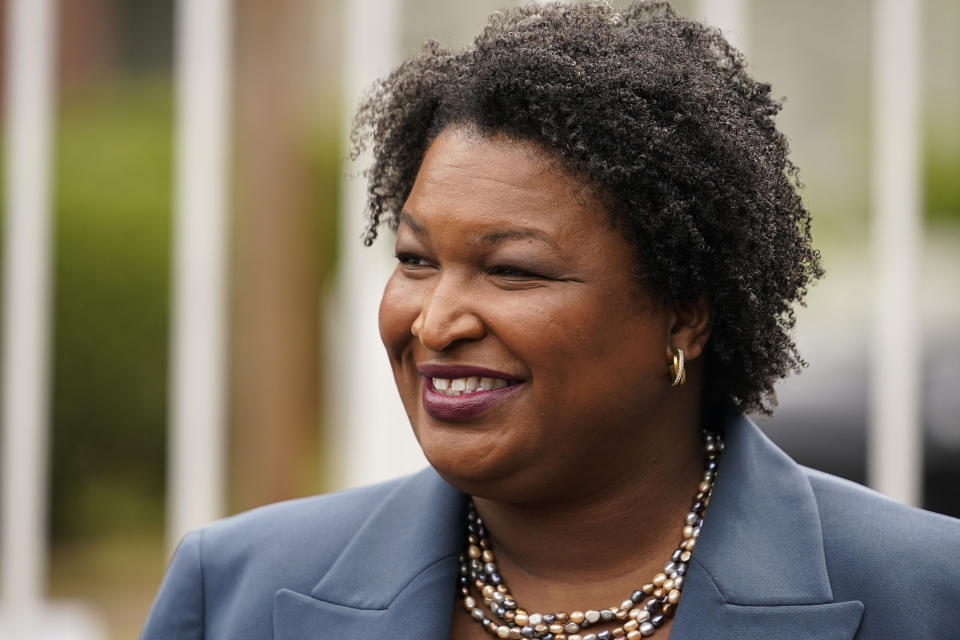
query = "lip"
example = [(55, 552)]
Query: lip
[(451, 371), (467, 405)]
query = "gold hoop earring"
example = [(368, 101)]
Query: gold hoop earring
[(678, 372)]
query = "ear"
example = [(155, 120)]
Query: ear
[(691, 326)]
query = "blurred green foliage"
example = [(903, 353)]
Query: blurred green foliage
[(941, 179), (113, 192)]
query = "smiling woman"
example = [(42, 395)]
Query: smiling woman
[(599, 242)]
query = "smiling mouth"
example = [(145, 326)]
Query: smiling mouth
[(465, 386)]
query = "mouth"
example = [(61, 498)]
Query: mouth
[(460, 393), (453, 387)]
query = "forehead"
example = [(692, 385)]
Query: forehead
[(495, 179)]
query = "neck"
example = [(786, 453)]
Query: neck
[(597, 547)]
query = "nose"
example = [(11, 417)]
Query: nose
[(447, 316)]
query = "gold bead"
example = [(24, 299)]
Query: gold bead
[(674, 596), (668, 585), (688, 532), (521, 619), (659, 579), (658, 592), (487, 591), (575, 636), (577, 616), (487, 555), (630, 625), (668, 609), (503, 632), (685, 556), (647, 588), (704, 486), (563, 618), (617, 632), (634, 635), (473, 551), (556, 629)]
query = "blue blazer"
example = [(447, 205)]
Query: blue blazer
[(785, 553)]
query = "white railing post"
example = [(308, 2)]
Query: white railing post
[(895, 440), (25, 612), (371, 436), (730, 16), (195, 470), (30, 59)]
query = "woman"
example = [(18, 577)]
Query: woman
[(599, 242)]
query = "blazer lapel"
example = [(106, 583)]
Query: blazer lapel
[(759, 569), (396, 578)]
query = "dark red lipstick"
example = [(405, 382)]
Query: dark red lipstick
[(468, 404)]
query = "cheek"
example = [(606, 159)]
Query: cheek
[(399, 307)]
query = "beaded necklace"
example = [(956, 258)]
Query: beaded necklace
[(638, 616)]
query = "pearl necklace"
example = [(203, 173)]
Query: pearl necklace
[(636, 617)]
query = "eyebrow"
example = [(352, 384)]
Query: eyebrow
[(407, 218), (493, 237)]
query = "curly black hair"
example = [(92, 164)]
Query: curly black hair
[(658, 114)]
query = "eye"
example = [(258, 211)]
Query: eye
[(514, 273), (411, 260)]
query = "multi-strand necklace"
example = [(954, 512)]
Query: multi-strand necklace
[(638, 616)]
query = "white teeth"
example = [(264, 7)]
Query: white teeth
[(459, 386)]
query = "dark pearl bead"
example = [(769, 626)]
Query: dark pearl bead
[(495, 579), (682, 569), (527, 631), (549, 618), (676, 556), (637, 596), (606, 615), (653, 605), (500, 611), (604, 635), (657, 620), (509, 603), (546, 636)]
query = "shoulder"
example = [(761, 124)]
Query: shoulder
[(301, 537), (222, 578), (902, 560), (847, 508)]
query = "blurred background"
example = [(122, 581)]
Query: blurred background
[(297, 319)]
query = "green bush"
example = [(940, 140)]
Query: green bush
[(113, 193)]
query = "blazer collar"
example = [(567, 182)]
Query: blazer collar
[(758, 571), (396, 578)]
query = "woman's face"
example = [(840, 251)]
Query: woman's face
[(527, 356)]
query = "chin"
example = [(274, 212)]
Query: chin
[(468, 461)]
